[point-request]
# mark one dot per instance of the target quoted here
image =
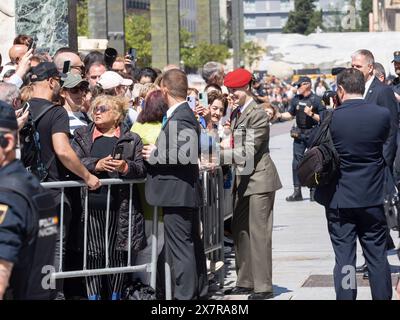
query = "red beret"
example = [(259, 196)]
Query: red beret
[(238, 78)]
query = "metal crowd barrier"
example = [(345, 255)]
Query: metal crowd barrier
[(212, 217)]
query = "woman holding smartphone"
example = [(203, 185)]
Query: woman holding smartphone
[(108, 152)]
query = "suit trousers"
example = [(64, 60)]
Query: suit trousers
[(184, 251), (252, 223), (369, 225)]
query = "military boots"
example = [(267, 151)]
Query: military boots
[(296, 196)]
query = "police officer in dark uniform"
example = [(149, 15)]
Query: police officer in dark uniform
[(28, 223), (306, 107)]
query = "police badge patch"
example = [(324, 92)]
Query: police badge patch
[(3, 212)]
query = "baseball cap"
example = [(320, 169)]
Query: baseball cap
[(45, 70), (7, 117), (396, 56), (238, 78), (111, 79), (302, 80), (73, 80)]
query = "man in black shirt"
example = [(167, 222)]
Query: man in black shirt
[(53, 128), (306, 107)]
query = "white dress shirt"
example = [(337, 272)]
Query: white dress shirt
[(367, 85)]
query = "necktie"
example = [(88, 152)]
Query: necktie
[(164, 120)]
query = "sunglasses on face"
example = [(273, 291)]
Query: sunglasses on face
[(101, 109)]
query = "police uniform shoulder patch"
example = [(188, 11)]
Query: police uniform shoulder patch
[(3, 212)]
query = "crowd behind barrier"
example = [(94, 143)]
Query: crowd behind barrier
[(212, 231)]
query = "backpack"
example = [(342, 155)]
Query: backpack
[(320, 164), (30, 146)]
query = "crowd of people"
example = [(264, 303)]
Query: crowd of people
[(88, 117)]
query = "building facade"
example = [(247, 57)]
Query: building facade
[(385, 16), (262, 17)]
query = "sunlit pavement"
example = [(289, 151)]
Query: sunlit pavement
[(303, 258)]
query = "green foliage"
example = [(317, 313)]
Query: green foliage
[(138, 36), (195, 55), (82, 18), (304, 19), (366, 8), (252, 52)]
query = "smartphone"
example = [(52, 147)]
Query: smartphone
[(25, 107), (117, 152), (192, 102), (32, 45), (203, 98), (132, 53), (66, 66)]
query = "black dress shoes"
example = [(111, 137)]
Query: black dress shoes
[(362, 269), (238, 291), (261, 296), (366, 275)]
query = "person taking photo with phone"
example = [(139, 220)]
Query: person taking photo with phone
[(98, 145)]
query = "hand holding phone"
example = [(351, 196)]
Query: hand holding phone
[(192, 102), (118, 152)]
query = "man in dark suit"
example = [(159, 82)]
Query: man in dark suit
[(173, 184), (354, 201), (377, 92), (381, 94)]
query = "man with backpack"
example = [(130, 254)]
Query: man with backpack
[(354, 200), (45, 144), (28, 222)]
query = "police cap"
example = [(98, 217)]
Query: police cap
[(238, 78), (302, 80), (7, 117), (396, 56)]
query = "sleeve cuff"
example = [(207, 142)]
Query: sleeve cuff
[(16, 80)]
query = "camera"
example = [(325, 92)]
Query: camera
[(326, 98)]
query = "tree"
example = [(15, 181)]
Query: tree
[(138, 36), (82, 18), (366, 9), (195, 55), (252, 52), (304, 19)]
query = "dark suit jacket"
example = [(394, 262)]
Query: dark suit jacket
[(173, 178), (382, 95), (359, 130)]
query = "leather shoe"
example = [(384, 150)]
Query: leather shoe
[(238, 291), (261, 296), (362, 269), (366, 275)]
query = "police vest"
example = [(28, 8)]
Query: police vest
[(302, 120), (30, 278)]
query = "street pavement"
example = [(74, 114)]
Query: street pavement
[(303, 258)]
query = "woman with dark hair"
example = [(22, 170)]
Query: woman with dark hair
[(149, 122)]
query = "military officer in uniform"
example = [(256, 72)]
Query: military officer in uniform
[(255, 184), (306, 107), (28, 223)]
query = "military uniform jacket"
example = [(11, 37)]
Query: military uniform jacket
[(255, 172)]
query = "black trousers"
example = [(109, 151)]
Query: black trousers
[(184, 251), (369, 225), (299, 147)]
